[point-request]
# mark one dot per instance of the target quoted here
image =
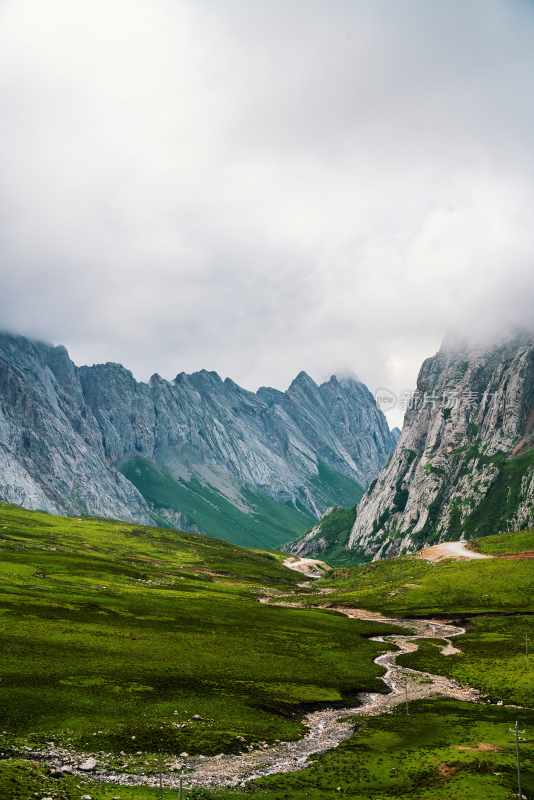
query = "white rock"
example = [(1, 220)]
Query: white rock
[(88, 765)]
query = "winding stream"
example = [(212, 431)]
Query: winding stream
[(327, 728)]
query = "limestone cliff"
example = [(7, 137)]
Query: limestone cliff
[(464, 464)]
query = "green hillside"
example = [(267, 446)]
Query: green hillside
[(269, 523), (336, 489), (502, 499), (328, 538)]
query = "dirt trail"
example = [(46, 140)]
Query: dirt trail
[(310, 567), (327, 728), (457, 550)]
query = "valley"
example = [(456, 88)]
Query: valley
[(267, 400)]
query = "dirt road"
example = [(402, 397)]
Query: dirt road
[(456, 550)]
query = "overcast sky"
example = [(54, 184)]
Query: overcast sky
[(264, 187)]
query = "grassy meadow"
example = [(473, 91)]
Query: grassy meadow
[(409, 586), (493, 599), (442, 750), (141, 642)]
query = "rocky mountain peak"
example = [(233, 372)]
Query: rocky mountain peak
[(302, 383), (464, 463)]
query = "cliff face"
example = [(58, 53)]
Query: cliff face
[(51, 450), (93, 440), (464, 464)]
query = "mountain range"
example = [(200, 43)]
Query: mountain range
[(196, 453)]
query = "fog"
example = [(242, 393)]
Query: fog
[(257, 189)]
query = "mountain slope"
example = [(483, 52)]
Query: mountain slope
[(327, 539), (202, 508), (197, 452), (464, 465)]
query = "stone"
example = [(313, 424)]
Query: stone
[(88, 765), (57, 773)]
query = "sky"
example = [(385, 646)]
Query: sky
[(264, 187)]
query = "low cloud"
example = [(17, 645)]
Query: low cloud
[(259, 190)]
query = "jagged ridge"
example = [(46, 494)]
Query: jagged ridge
[(68, 433)]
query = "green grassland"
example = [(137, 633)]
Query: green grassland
[(442, 749), (111, 631), (493, 658), (114, 637), (511, 543), (410, 586), (493, 599)]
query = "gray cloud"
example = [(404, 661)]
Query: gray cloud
[(259, 189)]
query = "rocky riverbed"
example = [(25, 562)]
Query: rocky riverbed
[(326, 728)]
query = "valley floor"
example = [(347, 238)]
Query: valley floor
[(325, 729), (149, 649)]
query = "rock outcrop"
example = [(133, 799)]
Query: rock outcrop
[(93, 440), (464, 464), (328, 539)]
